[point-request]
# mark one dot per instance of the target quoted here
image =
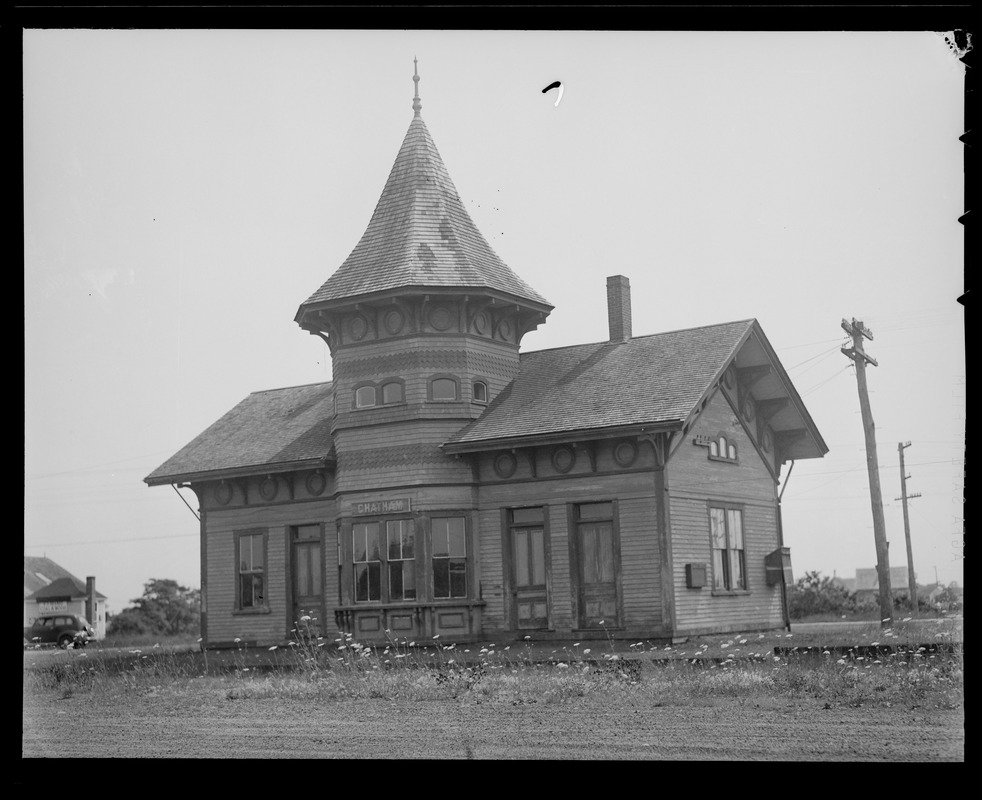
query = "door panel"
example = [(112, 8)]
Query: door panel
[(598, 588), (529, 594), (308, 587)]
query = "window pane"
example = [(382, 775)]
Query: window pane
[(538, 557), (303, 570), (719, 573), (713, 449), (367, 581), (736, 569), (365, 397), (717, 526), (402, 580), (307, 532), (734, 519), (441, 577), (522, 577), (588, 540), (440, 539), (392, 393), (315, 569), (444, 389), (731, 452), (480, 392), (458, 578), (605, 554), (597, 511), (527, 516)]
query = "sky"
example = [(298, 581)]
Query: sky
[(186, 190)]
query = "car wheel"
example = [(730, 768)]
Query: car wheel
[(64, 641)]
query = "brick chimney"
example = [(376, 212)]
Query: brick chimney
[(619, 308), (90, 607)]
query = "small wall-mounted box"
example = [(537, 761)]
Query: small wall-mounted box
[(778, 567), (695, 576)]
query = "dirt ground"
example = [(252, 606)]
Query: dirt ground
[(726, 729)]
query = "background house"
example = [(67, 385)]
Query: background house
[(50, 588)]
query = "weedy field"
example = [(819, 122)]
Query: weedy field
[(844, 693)]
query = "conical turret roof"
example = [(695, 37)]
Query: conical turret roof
[(421, 236)]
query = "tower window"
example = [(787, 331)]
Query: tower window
[(480, 392), (365, 396), (443, 389), (392, 392)]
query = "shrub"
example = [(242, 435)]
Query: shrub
[(814, 595)]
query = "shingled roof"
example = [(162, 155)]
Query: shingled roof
[(420, 236), (276, 429), (41, 571), (63, 589), (648, 380)]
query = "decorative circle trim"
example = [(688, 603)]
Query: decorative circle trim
[(358, 327), (316, 483), (729, 377), (223, 493), (766, 440), (504, 329), (625, 453), (749, 408), (269, 488), (505, 465), (441, 318), (480, 322), (563, 458), (394, 321)]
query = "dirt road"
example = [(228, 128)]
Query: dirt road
[(723, 729)]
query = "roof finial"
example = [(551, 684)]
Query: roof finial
[(417, 105)]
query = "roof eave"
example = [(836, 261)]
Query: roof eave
[(245, 471), (559, 437)]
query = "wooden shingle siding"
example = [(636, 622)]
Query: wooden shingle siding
[(224, 625), (640, 584), (696, 481)]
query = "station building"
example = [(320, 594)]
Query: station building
[(447, 483)]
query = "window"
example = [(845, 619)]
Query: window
[(480, 392), (726, 530), (449, 551), (251, 558), (396, 561), (365, 396), (443, 389), (722, 450), (402, 559), (367, 560), (392, 392)]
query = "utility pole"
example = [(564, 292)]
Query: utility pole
[(911, 583), (858, 332)]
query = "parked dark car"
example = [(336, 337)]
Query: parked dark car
[(61, 629)]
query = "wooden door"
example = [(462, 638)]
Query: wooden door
[(308, 582), (597, 557), (529, 592)]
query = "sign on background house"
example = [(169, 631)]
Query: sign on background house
[(51, 589)]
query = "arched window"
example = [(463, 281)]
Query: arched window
[(480, 392), (392, 392), (443, 389), (365, 396)]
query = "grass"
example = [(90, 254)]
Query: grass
[(894, 667)]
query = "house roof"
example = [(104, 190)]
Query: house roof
[(41, 574), (269, 430), (868, 579), (420, 237), (63, 589), (655, 381)]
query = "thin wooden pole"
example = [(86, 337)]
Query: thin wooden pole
[(859, 357)]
